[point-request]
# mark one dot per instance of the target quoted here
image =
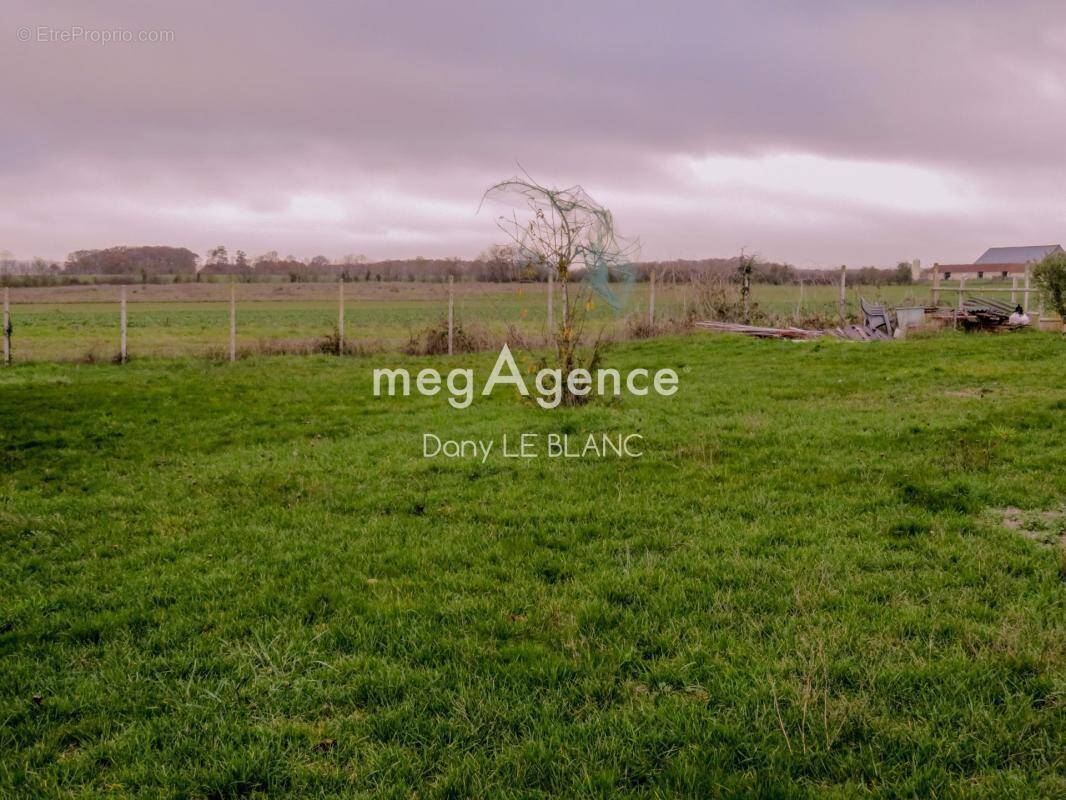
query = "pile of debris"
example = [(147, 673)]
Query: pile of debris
[(855, 333), (985, 313), (881, 323), (860, 333)]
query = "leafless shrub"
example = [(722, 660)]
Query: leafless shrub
[(516, 340), (715, 298), (94, 356), (433, 340), (639, 327), (333, 345)]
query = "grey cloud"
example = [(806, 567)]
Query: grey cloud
[(254, 104)]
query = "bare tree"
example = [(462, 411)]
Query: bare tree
[(571, 236), (500, 264), (217, 256)]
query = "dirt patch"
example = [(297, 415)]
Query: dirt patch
[(981, 392), (1044, 527)]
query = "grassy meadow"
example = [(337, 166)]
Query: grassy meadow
[(81, 323), (837, 571)]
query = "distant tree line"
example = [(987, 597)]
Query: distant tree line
[(770, 272), (9, 265), (132, 261), (497, 264)]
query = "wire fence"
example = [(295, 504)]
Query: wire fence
[(229, 321)]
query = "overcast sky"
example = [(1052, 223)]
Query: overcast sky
[(813, 133)]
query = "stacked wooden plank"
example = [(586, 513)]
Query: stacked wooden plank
[(854, 333), (761, 332)]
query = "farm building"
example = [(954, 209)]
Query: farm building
[(998, 263)]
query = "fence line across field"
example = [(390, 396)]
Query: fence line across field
[(655, 282)]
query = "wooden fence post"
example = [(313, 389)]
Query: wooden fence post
[(651, 302), (451, 312), (340, 318), (1025, 299), (799, 300), (1014, 290), (232, 321), (962, 287), (7, 327), (122, 325), (842, 300), (936, 284)]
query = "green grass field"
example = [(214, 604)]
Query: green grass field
[(243, 580), (78, 324)]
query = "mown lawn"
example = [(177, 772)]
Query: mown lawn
[(245, 581)]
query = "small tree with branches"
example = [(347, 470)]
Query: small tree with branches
[(1050, 277), (745, 270), (572, 237)]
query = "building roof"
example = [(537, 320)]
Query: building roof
[(1017, 255)]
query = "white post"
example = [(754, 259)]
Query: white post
[(7, 327), (962, 287), (1025, 300), (451, 311), (1014, 290), (551, 302), (799, 300), (232, 321), (122, 325), (842, 300), (651, 302), (936, 284), (340, 318)]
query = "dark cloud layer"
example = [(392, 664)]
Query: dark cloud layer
[(817, 133)]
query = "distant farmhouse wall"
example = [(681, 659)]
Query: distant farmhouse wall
[(998, 263)]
